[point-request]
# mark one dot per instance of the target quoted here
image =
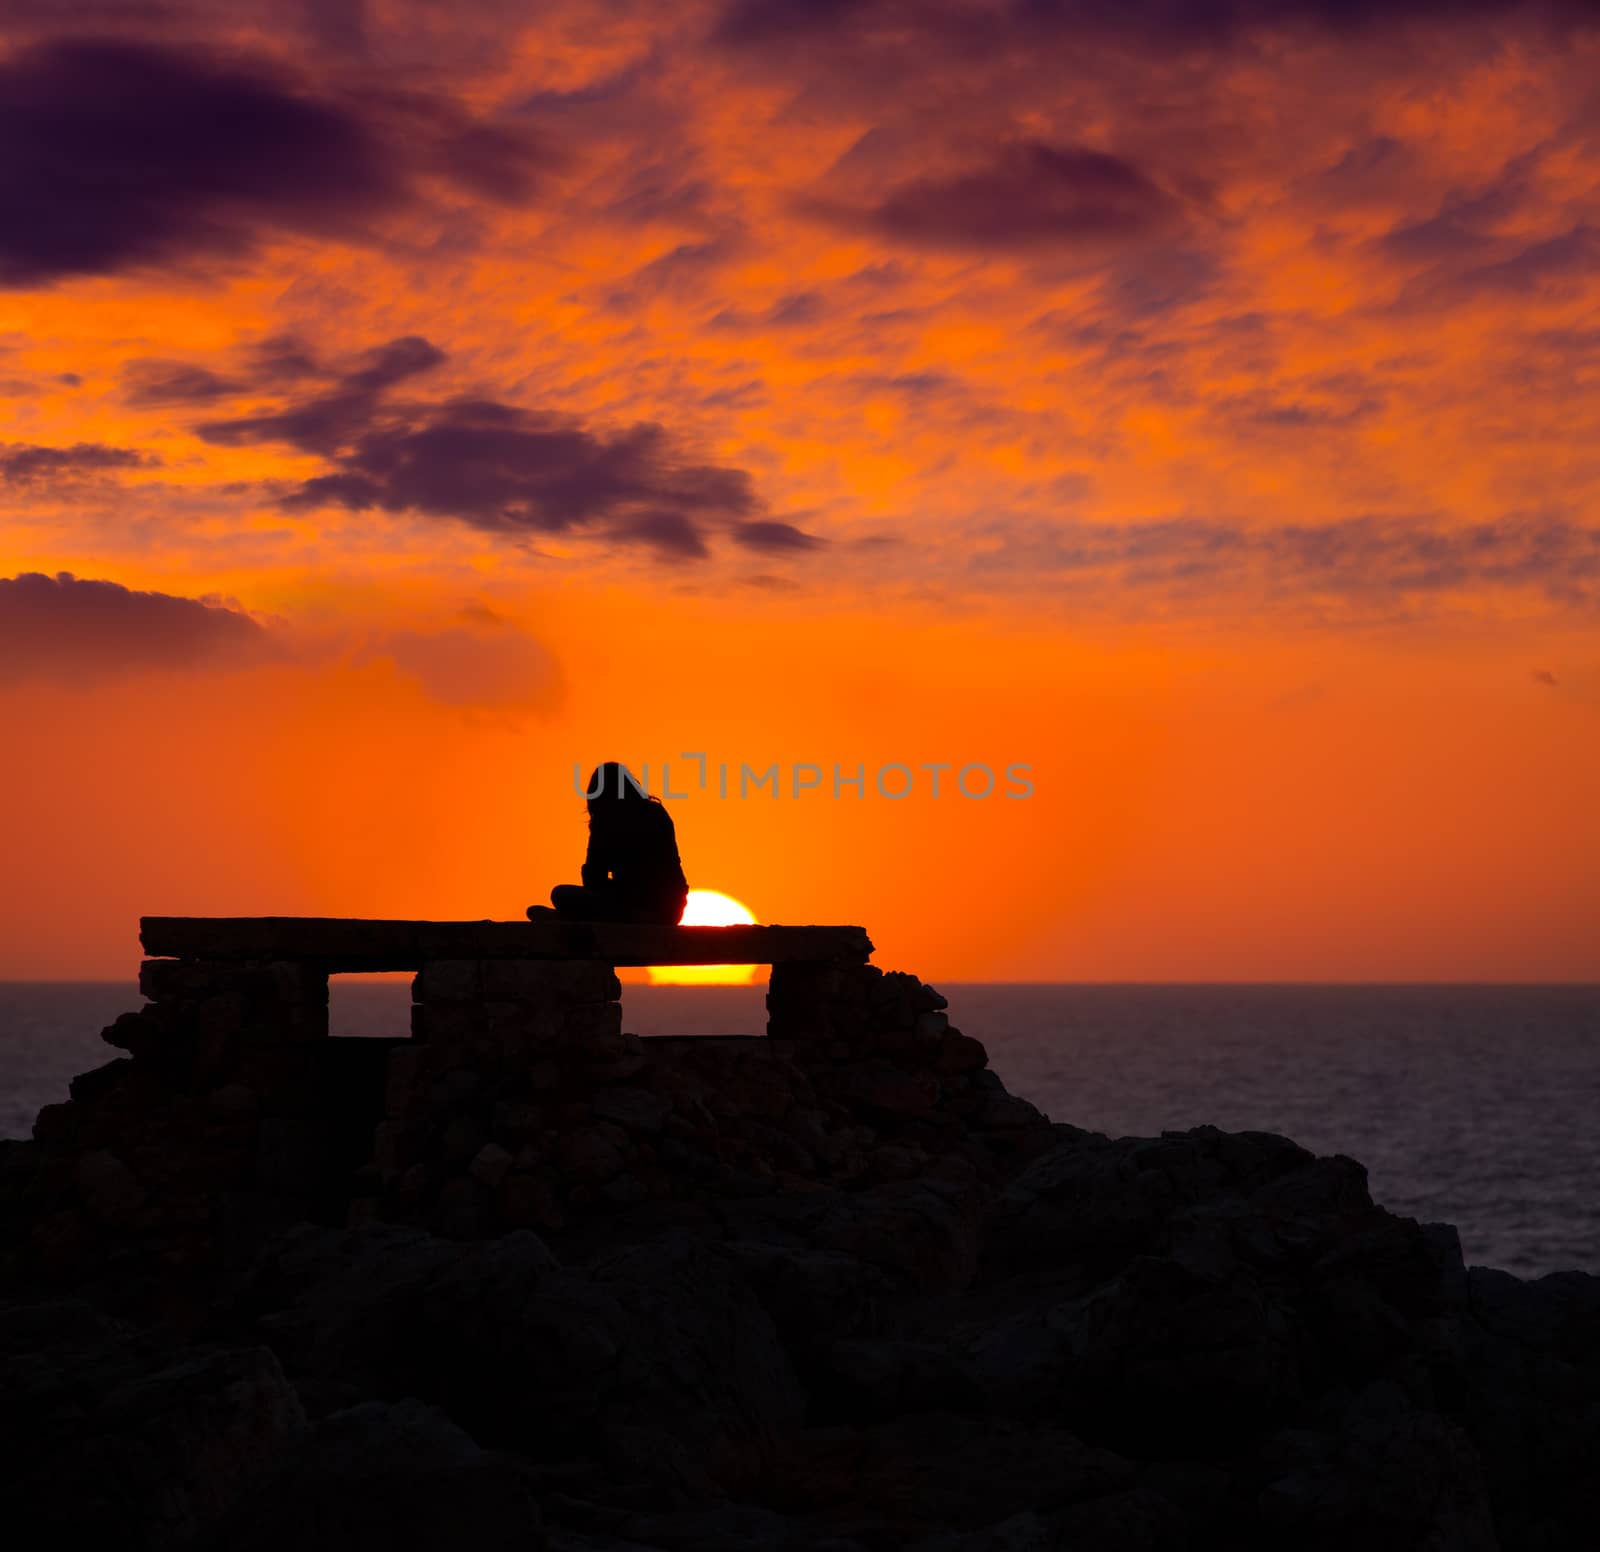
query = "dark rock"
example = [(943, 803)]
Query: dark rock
[(961, 1053), (107, 1188), (589, 1156), (665, 1342), (1530, 1365), (809, 1294), (722, 1528), (1093, 1203), (89, 1086), (1401, 1480), (392, 1478), (1167, 1362), (882, 1089), (871, 1378), (906, 1478), (117, 1438), (835, 1288), (636, 1110), (920, 1231), (291, 1154), (491, 1163)]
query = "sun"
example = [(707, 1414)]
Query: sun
[(708, 908)]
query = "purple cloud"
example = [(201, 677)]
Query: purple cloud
[(1377, 562), (774, 538), (151, 381), (28, 463), (117, 155), (72, 631), (327, 422), (1028, 195), (502, 468), (975, 27)]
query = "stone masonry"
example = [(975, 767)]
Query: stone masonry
[(516, 1100)]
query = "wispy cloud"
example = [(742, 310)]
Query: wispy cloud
[(506, 470), (39, 467)]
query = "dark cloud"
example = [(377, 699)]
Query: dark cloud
[(1471, 264), (328, 422), (1570, 257), (780, 21), (117, 154), (1441, 237), (1581, 343), (774, 537), (661, 189), (924, 385), (336, 24), (1029, 195), (673, 535), (1270, 411), (745, 395), (985, 26), (798, 310), (512, 471), (493, 160), (1467, 224), (1378, 167), (608, 93), (27, 463), (70, 631), (686, 271), (501, 468), (1377, 562), (393, 363), (280, 361), (152, 381)]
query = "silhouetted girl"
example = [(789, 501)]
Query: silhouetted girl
[(632, 872)]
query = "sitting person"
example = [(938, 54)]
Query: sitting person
[(632, 872)]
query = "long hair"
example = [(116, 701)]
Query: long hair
[(616, 800)]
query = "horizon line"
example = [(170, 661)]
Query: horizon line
[(1574, 985)]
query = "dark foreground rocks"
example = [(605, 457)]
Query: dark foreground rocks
[(1006, 1336)]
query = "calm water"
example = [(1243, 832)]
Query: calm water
[(1475, 1105)]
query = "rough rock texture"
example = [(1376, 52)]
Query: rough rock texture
[(526, 1281), (113, 1436), (403, 1477)]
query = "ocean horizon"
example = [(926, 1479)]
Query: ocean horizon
[(1469, 1103)]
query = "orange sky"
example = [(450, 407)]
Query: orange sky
[(1204, 416)]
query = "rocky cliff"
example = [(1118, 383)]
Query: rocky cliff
[(523, 1280)]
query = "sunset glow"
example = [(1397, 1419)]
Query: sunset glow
[(1199, 409), (708, 908)]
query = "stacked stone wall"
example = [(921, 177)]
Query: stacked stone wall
[(230, 1112), (516, 1101), (521, 1102)]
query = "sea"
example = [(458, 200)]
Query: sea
[(1472, 1105)]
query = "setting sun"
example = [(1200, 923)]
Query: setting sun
[(708, 908)]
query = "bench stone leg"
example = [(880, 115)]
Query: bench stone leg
[(500, 1049)]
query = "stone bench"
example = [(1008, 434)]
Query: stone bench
[(351, 944), (512, 1097), (263, 980)]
